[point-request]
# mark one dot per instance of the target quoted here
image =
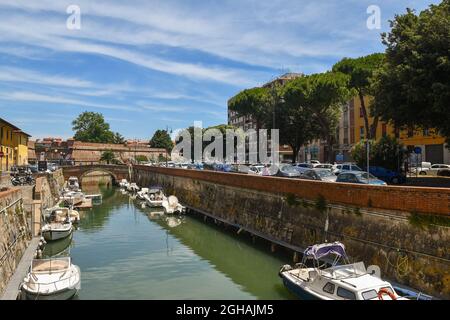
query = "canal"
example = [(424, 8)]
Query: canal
[(125, 251)]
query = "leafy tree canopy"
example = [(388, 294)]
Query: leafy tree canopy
[(161, 139), (91, 127), (108, 156), (413, 87)]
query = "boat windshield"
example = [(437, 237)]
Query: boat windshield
[(48, 265), (345, 271)]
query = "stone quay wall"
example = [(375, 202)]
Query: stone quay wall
[(15, 233)]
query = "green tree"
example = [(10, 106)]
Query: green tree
[(256, 103), (361, 72), (118, 138), (413, 87), (161, 139), (91, 127), (108, 156), (314, 107), (386, 152), (141, 158)]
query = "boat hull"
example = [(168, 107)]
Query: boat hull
[(296, 289), (52, 235), (65, 294)]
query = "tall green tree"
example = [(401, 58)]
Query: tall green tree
[(314, 106), (161, 139), (118, 138), (91, 127), (361, 72), (386, 152), (256, 103), (413, 87)]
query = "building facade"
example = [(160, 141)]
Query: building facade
[(432, 145), (13, 146)]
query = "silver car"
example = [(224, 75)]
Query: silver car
[(319, 175), (289, 171)]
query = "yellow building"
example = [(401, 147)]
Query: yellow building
[(13, 146), (432, 145)]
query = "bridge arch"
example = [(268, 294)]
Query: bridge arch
[(114, 176), (117, 172)]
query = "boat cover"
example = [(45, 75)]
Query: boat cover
[(319, 251)]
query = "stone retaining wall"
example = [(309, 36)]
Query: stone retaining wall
[(14, 233)]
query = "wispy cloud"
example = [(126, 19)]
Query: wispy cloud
[(26, 96)]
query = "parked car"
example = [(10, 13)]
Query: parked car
[(338, 168), (431, 170), (289, 171), (359, 177), (328, 166), (302, 167), (256, 169), (319, 175), (387, 175)]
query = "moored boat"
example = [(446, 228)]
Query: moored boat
[(56, 230), (72, 197), (73, 184), (141, 194), (51, 279), (123, 183), (61, 214), (155, 197), (172, 206), (348, 281), (133, 187)]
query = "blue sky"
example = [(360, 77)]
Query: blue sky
[(155, 64)]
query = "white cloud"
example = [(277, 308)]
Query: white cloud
[(26, 96)]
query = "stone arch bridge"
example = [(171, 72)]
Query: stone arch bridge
[(117, 172)]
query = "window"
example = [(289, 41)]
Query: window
[(361, 114), (346, 167), (329, 288), (410, 133), (346, 294), (368, 295), (426, 132), (361, 133)]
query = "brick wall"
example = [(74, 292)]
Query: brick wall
[(409, 199)]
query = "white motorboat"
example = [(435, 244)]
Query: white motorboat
[(56, 230), (60, 215), (133, 187), (72, 197), (336, 282), (172, 206), (155, 197), (51, 279), (123, 183), (141, 194), (73, 184)]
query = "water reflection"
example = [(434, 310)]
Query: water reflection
[(128, 251)]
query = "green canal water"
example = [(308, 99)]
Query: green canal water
[(125, 252)]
